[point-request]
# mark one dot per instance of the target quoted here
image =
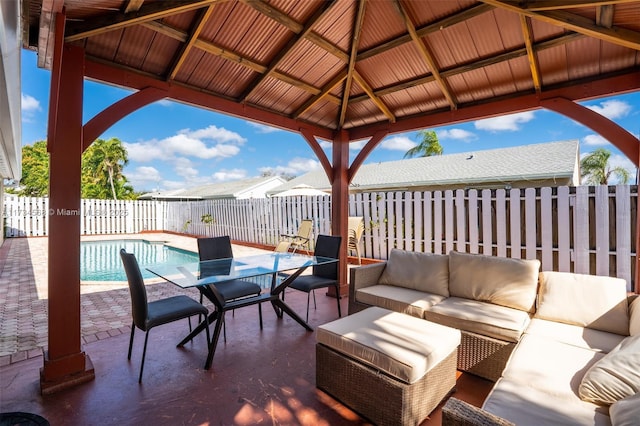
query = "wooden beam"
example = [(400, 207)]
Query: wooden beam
[(604, 16), (438, 25), (46, 33), (320, 13), (531, 53), (339, 78), (538, 5), (355, 41), (426, 54), (376, 100), (616, 35), (119, 20), (133, 6), (201, 20)]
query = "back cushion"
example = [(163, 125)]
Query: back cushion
[(418, 271), (507, 282), (589, 301)]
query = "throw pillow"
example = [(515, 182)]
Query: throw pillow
[(626, 412), (634, 323), (615, 376), (418, 271)]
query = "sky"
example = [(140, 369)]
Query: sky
[(174, 146)]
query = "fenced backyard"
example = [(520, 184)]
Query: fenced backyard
[(578, 229)]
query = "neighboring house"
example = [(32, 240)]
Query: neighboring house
[(239, 189), (10, 97), (537, 165)]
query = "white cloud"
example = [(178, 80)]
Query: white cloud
[(234, 174), (612, 109), (510, 122), (398, 143), (29, 103), (165, 102), (622, 161), (357, 145), (144, 177), (296, 166), (457, 134), (595, 140), (210, 142), (184, 168), (262, 128)]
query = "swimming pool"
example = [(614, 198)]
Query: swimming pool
[(100, 260)]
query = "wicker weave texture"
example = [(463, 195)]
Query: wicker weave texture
[(378, 397), (460, 413), (483, 356)]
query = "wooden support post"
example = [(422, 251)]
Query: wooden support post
[(340, 203)]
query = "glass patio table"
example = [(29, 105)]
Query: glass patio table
[(201, 274)]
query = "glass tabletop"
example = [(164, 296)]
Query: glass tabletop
[(214, 271)]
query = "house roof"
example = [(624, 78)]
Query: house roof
[(544, 161), (359, 66), (231, 189)]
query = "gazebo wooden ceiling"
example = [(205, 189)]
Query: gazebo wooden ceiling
[(340, 70), (360, 66)]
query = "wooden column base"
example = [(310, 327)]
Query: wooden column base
[(56, 375)]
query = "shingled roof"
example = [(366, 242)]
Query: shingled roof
[(245, 188), (544, 164)]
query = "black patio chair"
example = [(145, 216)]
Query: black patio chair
[(147, 315), (322, 276), (220, 248)]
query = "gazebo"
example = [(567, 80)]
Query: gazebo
[(336, 70)]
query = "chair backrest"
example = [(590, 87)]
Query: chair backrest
[(356, 228), (136, 289), (327, 246), (215, 248), (306, 226)]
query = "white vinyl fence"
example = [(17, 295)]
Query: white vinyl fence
[(578, 229)]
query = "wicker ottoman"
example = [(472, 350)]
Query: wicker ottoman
[(389, 367)]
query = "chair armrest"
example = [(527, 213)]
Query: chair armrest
[(459, 413), (366, 276)]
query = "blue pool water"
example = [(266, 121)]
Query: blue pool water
[(100, 260)]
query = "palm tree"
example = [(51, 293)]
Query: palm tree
[(428, 146), (596, 170), (109, 158)]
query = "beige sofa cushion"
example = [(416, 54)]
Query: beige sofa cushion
[(398, 299), (502, 281), (400, 345), (587, 338), (483, 318), (626, 412), (634, 313), (585, 300), (614, 377), (418, 271)]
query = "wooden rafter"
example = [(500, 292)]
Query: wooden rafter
[(473, 65), (133, 6), (227, 54), (616, 35), (531, 53), (291, 44), (46, 33), (201, 20), (339, 78), (426, 54), (604, 16), (355, 41), (119, 20), (376, 100), (538, 5)]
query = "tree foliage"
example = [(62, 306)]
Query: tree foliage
[(596, 169), (428, 146), (102, 171)]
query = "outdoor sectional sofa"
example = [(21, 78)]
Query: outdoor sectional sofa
[(562, 348)]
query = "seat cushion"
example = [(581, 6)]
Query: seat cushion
[(171, 309), (502, 281), (589, 301), (483, 318), (615, 376), (402, 346), (626, 412), (419, 271), (595, 340), (398, 299), (235, 289), (311, 282), (634, 313)]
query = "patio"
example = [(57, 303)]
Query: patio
[(257, 377)]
